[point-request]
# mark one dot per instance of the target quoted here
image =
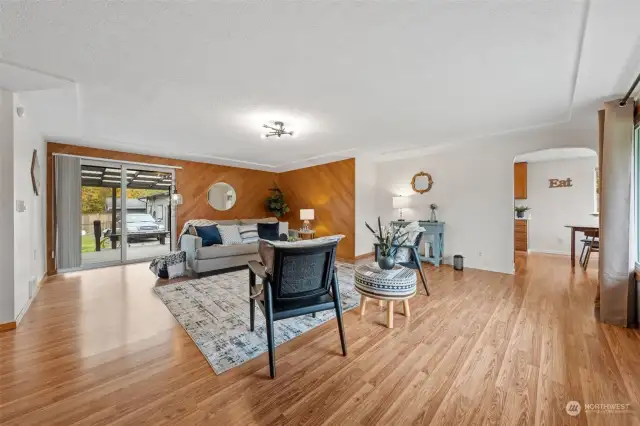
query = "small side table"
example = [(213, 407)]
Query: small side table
[(397, 284), (299, 233)]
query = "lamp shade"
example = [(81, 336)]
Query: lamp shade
[(176, 198), (400, 202), (306, 214)]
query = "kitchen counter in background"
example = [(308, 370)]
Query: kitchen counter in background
[(521, 234)]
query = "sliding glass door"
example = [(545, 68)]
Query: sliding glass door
[(147, 213), (101, 182), (117, 213)]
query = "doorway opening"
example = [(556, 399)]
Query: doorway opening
[(124, 213), (556, 204)]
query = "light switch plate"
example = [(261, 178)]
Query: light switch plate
[(21, 207)]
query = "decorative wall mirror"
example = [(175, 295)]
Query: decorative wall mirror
[(422, 182), (221, 196)]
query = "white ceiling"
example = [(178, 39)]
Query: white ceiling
[(197, 79), (556, 154)]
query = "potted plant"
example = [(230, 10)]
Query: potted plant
[(433, 208), (275, 202), (388, 242), (520, 211)]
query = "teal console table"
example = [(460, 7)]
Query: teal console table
[(435, 230)]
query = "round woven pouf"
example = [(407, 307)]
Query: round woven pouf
[(397, 284)]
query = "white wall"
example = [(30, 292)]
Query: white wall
[(365, 204), (473, 187), (6, 206), (553, 208), (30, 225)]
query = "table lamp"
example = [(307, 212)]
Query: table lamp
[(306, 215), (400, 203)]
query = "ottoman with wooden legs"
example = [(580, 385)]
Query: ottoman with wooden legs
[(394, 285)]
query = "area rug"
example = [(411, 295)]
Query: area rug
[(215, 313)]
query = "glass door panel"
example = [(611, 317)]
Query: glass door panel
[(147, 213), (100, 204)]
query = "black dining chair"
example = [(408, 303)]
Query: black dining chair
[(591, 243), (304, 281), (413, 262)]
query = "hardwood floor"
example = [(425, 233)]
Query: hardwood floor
[(99, 347)]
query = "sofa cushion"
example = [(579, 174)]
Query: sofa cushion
[(248, 233), (269, 231), (262, 220), (230, 234), (213, 252), (229, 222), (209, 234)]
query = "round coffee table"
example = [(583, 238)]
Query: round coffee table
[(397, 284)]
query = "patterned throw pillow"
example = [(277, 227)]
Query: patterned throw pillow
[(248, 233), (230, 235), (411, 232)]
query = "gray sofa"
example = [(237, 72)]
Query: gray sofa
[(201, 260)]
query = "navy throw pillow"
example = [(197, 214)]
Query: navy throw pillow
[(210, 235), (268, 231)]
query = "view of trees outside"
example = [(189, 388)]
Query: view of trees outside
[(94, 198)]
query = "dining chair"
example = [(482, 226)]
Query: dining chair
[(591, 244), (413, 262), (301, 280)]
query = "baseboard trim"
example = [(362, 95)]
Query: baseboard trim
[(564, 253), (362, 256), (8, 326), (28, 305)]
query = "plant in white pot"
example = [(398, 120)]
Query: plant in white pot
[(520, 211)]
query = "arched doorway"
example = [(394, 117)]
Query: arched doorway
[(556, 189)]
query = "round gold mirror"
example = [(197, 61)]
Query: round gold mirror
[(422, 182), (221, 196)]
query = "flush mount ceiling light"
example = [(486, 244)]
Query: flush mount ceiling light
[(276, 130)]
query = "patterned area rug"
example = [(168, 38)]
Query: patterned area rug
[(215, 312)]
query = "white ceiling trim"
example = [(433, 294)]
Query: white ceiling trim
[(576, 69), (18, 78)]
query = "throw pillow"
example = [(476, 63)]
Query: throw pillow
[(411, 232), (230, 235), (176, 264), (268, 231), (248, 233), (210, 235)]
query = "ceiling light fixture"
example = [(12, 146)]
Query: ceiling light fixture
[(276, 130)]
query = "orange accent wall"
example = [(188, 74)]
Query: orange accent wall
[(327, 188), (330, 190), (193, 182)]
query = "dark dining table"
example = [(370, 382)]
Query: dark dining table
[(574, 229)]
